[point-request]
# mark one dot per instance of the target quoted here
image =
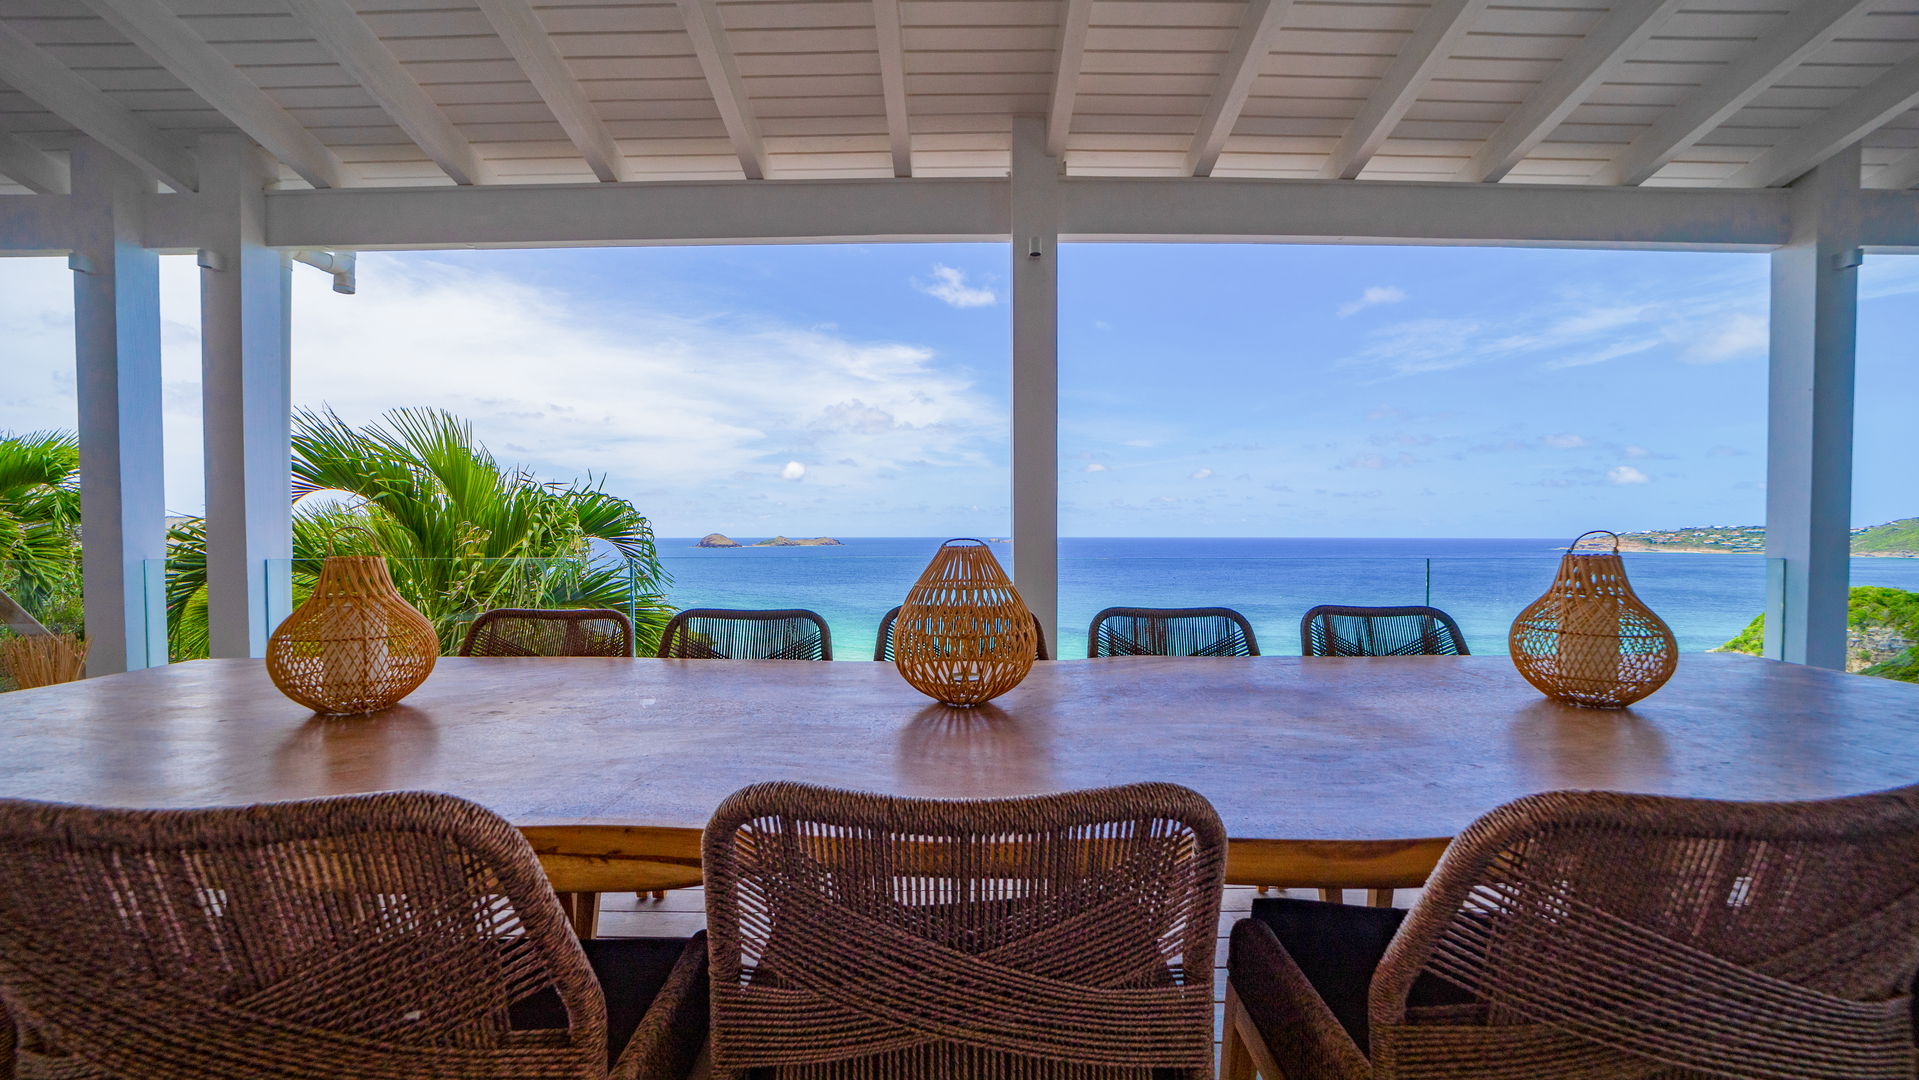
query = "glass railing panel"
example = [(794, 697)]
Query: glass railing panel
[(1707, 599), (1273, 593), (851, 586)]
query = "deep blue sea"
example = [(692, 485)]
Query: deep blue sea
[(1482, 583)]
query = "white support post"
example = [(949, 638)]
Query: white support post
[(1035, 277), (1815, 293), (246, 396), (116, 334)]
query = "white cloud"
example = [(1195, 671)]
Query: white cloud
[(1097, 467), (1372, 297), (1564, 441), (1626, 474), (680, 412), (1722, 319), (1739, 334), (1637, 452), (1202, 474), (949, 284)]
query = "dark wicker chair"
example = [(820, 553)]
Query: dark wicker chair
[(1332, 630), (1599, 936), (542, 632), (863, 937), (1198, 631), (883, 648), (739, 634), (386, 936)]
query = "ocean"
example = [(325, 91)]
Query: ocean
[(1706, 599)]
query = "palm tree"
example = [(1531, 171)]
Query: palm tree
[(40, 526), (461, 533)]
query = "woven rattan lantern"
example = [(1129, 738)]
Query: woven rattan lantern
[(963, 635), (1590, 640), (355, 646)]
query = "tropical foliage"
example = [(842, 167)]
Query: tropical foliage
[(1882, 633), (40, 526), (461, 532)]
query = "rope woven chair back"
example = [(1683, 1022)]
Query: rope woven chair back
[(1200, 631), (737, 634), (1056, 937), (380, 937), (883, 649), (538, 632), (1591, 934), (1331, 630)]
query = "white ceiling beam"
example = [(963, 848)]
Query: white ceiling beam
[(1091, 209), (651, 213), (31, 167), (523, 35), (34, 72), (1846, 123), (1597, 58), (1899, 174), (703, 25), (1431, 43), (892, 49), (1770, 58), (340, 30), (1258, 27), (174, 45), (1076, 18), (36, 224), (1233, 210)]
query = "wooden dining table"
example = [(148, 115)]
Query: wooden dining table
[(1326, 772)]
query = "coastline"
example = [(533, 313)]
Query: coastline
[(1640, 546)]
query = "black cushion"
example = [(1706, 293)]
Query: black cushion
[(1338, 947), (631, 972)]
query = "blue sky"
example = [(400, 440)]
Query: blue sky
[(1218, 389)]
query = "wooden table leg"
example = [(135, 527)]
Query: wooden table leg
[(582, 910)]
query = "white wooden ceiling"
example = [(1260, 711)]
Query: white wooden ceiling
[(1741, 92)]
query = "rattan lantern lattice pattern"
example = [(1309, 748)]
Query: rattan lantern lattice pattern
[(1590, 640), (964, 636), (356, 646)]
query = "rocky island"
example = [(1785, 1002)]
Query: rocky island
[(1895, 539), (721, 540), (785, 541)]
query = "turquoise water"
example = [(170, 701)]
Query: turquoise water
[(1482, 583)]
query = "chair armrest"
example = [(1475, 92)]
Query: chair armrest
[(673, 1032), (1299, 1030)]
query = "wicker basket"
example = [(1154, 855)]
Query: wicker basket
[(355, 646), (1590, 640), (963, 635)]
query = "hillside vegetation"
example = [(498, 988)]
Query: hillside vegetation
[(1893, 538), (1882, 634)]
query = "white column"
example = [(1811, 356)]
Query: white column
[(116, 333), (246, 399), (1035, 277), (1815, 294)]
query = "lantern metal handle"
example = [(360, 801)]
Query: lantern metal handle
[(1573, 548)]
